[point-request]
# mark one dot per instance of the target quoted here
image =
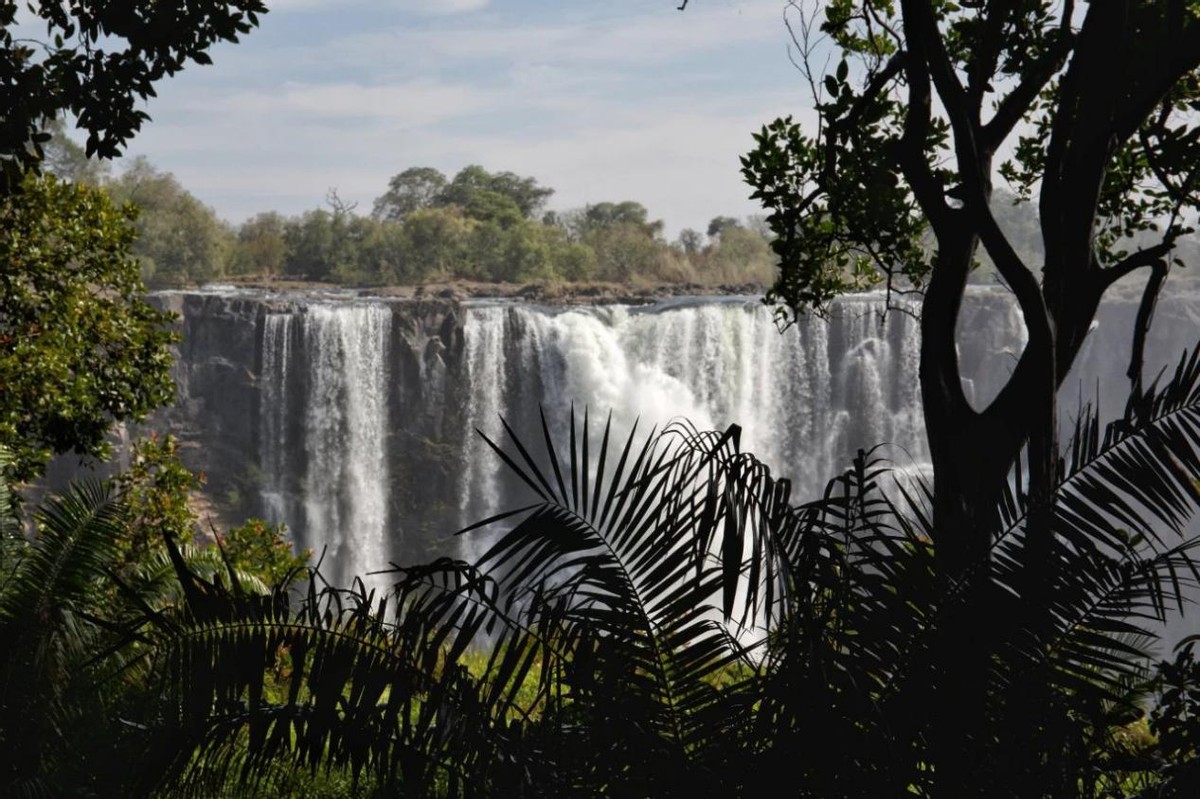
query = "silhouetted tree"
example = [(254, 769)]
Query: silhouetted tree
[(1086, 108), (95, 62)]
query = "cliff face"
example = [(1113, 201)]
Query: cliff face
[(228, 382), (216, 378), (352, 419)]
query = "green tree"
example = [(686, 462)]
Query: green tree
[(1087, 109), (96, 62), (414, 189), (719, 224), (437, 243), (180, 239), (156, 491), (334, 245), (80, 348), (263, 549), (493, 207), (310, 245), (592, 219), (384, 254), (624, 250), (261, 247), (525, 193), (530, 253), (740, 256)]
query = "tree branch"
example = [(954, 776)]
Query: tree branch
[(1093, 47), (911, 146), (1018, 101), (1141, 328), (1148, 257), (925, 43), (986, 53)]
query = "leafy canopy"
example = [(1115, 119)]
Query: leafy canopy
[(79, 346), (1089, 108)]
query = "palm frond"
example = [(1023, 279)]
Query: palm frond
[(608, 552), (60, 650), (349, 680)]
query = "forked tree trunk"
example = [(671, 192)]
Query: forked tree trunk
[(973, 453)]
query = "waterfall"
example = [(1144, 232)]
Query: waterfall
[(367, 410), (342, 506), (273, 437), (806, 399)]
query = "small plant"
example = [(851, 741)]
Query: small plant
[(263, 549)]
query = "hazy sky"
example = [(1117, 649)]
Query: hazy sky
[(612, 100)]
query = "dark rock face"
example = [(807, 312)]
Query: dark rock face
[(223, 416), (216, 378)]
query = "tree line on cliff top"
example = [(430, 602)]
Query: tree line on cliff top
[(427, 227)]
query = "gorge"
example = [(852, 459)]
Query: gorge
[(352, 418)]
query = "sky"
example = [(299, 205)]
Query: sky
[(613, 100)]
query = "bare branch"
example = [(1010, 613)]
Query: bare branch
[(1019, 277), (806, 43), (339, 206)]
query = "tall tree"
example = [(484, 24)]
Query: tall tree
[(180, 239), (1085, 108), (719, 224), (414, 189), (471, 180), (95, 62), (261, 247)]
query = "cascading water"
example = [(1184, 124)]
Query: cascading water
[(806, 399), (341, 505), (276, 357), (352, 419), (367, 410)]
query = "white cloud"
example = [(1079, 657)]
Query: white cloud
[(422, 7), (353, 106), (600, 102), (415, 104), (652, 36)]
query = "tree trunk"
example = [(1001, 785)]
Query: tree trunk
[(973, 454)]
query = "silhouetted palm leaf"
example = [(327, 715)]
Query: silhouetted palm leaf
[(859, 608), (51, 685), (613, 549), (659, 619)]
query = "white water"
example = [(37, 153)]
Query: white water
[(342, 509), (277, 347), (806, 399)]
